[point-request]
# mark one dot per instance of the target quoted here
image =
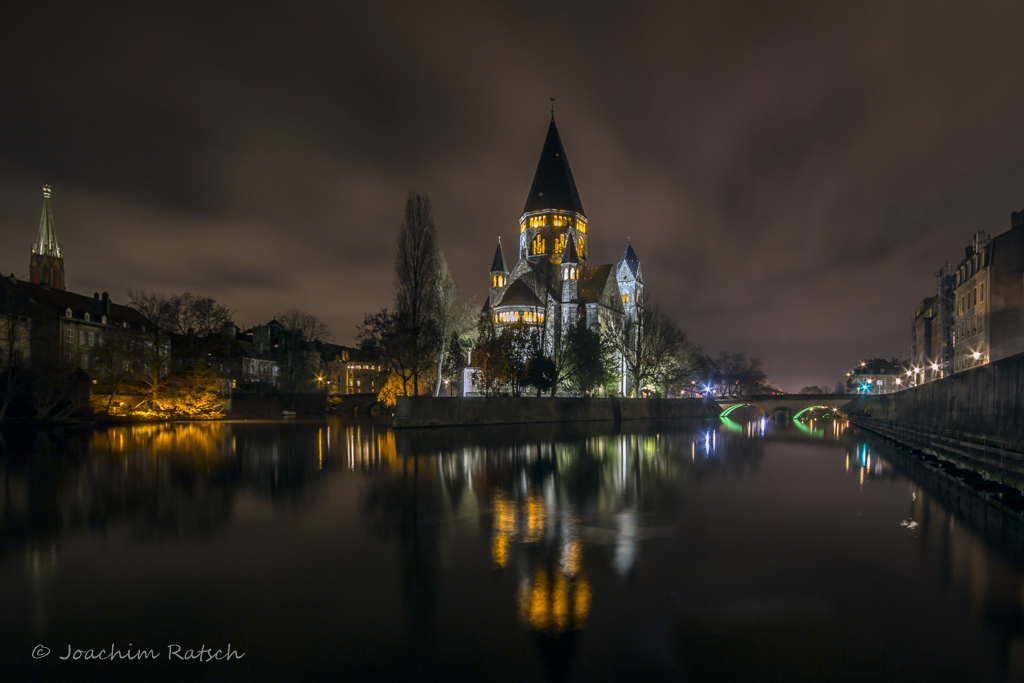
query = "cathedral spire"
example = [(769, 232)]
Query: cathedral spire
[(553, 185), (46, 242), (46, 264)]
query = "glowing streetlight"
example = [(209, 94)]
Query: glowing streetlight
[(976, 355)]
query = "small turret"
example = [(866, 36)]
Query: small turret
[(630, 280), (499, 273)]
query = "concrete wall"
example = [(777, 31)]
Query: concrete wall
[(423, 411), (984, 400)]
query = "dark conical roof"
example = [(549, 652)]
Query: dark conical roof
[(519, 294), (553, 186), (498, 265), (630, 258), (570, 255)]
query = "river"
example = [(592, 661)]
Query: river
[(703, 551)]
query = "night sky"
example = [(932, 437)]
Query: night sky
[(791, 175)]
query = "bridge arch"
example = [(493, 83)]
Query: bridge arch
[(831, 408), (789, 405)]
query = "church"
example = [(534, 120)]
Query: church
[(553, 283)]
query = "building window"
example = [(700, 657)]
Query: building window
[(67, 313), (625, 298), (70, 336), (92, 339), (81, 337), (85, 362), (981, 292)]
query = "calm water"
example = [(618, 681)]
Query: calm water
[(689, 551)]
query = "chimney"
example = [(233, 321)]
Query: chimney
[(1016, 219), (106, 304)]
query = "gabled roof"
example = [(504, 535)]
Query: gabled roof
[(592, 283), (518, 294), (498, 265), (46, 242), (58, 301), (629, 257), (553, 186)]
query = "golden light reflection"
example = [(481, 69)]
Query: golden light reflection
[(198, 440), (499, 550), (535, 518), (553, 603)]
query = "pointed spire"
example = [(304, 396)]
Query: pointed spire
[(569, 255), (553, 185), (629, 257), (46, 242), (498, 265)]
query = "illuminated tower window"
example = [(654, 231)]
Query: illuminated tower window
[(538, 245)]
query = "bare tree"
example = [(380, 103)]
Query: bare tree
[(153, 352), (118, 350), (654, 351), (453, 318), (199, 316), (732, 374), (302, 332), (416, 291), (14, 347)]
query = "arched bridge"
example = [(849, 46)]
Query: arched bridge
[(791, 405)]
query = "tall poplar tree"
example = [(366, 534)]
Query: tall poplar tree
[(417, 267)]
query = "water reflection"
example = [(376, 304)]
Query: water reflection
[(561, 519)]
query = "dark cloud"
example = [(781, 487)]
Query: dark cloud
[(791, 174)]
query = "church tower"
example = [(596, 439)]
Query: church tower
[(499, 274), (554, 213), (46, 265), (631, 282)]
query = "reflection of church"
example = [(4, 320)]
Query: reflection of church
[(553, 284)]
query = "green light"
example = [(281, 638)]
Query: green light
[(728, 410), (731, 425)]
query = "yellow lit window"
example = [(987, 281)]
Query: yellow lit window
[(508, 317), (581, 225), (560, 244), (625, 298), (581, 247), (533, 317), (538, 245)]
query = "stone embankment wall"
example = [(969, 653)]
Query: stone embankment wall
[(422, 411), (987, 400)]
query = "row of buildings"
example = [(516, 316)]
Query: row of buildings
[(976, 316), (977, 313), (46, 327)]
